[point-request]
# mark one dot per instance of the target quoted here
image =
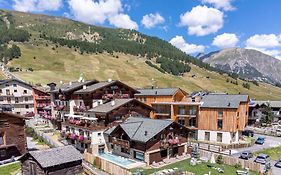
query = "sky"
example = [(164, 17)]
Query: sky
[(194, 26)]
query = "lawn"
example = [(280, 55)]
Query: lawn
[(200, 169), (10, 168), (274, 153)]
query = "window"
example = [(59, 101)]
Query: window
[(1, 139), (7, 91), (182, 110), (3, 153), (25, 98), (193, 99), (220, 114), (99, 134), (139, 155), (181, 121), (32, 168), (219, 137), (15, 90), (0, 90), (144, 99), (25, 91), (1, 99), (220, 123), (192, 122), (14, 85), (26, 107), (112, 146), (207, 136), (6, 85), (16, 100)]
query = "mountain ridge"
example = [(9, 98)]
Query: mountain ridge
[(247, 63)]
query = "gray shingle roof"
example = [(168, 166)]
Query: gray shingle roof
[(108, 107), (223, 100), (10, 80), (157, 91), (100, 85), (135, 127), (56, 156), (273, 104), (73, 86)]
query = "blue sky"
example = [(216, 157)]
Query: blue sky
[(194, 26)]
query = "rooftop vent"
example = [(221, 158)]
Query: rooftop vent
[(112, 102), (145, 133), (228, 104), (155, 92)]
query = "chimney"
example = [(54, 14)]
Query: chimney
[(152, 87), (145, 133), (112, 102), (228, 104), (109, 80), (61, 82), (155, 92), (84, 87), (70, 83), (52, 86)]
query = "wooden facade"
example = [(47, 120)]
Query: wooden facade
[(41, 100), (12, 135), (233, 119), (171, 141)]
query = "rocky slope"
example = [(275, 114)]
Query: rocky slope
[(247, 63)]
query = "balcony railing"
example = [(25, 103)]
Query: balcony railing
[(62, 108), (79, 108), (165, 143), (121, 142), (84, 125)]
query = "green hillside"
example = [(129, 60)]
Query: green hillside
[(42, 60)]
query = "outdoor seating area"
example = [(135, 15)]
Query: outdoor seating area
[(171, 160)]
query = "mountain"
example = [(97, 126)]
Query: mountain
[(60, 49), (247, 63)]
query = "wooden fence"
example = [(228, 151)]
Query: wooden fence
[(110, 168), (228, 160)]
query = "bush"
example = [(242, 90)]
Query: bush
[(219, 159), (238, 165), (154, 66)]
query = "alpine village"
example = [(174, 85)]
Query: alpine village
[(79, 99)]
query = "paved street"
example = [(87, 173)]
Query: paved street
[(269, 142)]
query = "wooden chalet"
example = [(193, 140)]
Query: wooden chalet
[(12, 135), (55, 161), (222, 118), (147, 140), (85, 131)]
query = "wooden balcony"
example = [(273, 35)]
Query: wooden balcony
[(121, 142), (86, 126)]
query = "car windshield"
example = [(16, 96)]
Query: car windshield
[(261, 157), (245, 153)]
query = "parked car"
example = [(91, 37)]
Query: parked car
[(248, 133), (246, 155), (278, 163), (260, 140), (262, 159), (278, 132)]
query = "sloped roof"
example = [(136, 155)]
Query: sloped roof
[(76, 85), (136, 127), (108, 107), (13, 79), (223, 100), (158, 91), (100, 85), (56, 156), (273, 104), (9, 114)]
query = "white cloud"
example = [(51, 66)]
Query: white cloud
[(220, 4), (100, 11), (264, 41), (267, 43), (151, 20), (37, 5), (123, 21), (180, 43), (202, 20), (225, 40)]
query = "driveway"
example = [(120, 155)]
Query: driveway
[(269, 143)]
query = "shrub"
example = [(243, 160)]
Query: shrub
[(219, 159), (238, 165)]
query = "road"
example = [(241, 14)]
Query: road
[(269, 143)]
